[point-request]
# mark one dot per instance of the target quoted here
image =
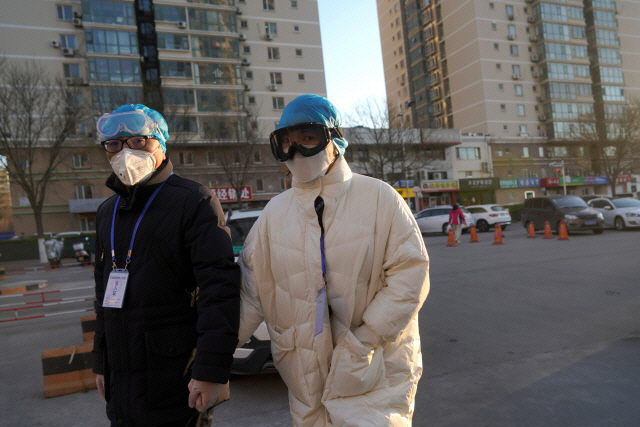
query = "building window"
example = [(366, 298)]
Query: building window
[(185, 158), (298, 52), (505, 127), (511, 30), (68, 41), (515, 70), (468, 174), (236, 157), (251, 100), (300, 77), (65, 13), (520, 110), (80, 160), (517, 90), (244, 24), (273, 53), (71, 70), (246, 49), (491, 5), (523, 129), (513, 49), (296, 28), (294, 4), (110, 41), (526, 173), (173, 41), (496, 46), (248, 75), (525, 152), (257, 157), (268, 5), (84, 192), (508, 10), (468, 153), (494, 26), (503, 107), (278, 102), (500, 86), (271, 28), (276, 78), (88, 224), (363, 154), (498, 67), (259, 185), (211, 157)]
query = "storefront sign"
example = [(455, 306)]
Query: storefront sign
[(229, 194), (574, 180), (623, 178), (438, 186), (480, 184), (595, 180), (550, 182), (529, 182), (508, 183), (403, 192)]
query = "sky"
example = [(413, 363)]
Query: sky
[(351, 49)]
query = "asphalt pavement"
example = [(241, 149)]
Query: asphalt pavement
[(534, 332)]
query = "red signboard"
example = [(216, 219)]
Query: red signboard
[(622, 178), (229, 194), (550, 182)]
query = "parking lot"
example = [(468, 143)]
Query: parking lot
[(534, 332)]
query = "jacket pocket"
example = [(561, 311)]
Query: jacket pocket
[(355, 369), (286, 357), (168, 354)]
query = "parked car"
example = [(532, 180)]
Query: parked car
[(487, 216), (436, 219), (619, 213), (572, 209), (255, 355)]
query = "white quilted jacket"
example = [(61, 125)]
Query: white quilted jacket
[(377, 274)]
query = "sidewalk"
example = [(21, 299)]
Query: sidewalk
[(18, 273)]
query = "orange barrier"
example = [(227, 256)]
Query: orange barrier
[(564, 234), (88, 328), (24, 288), (532, 231), (498, 235), (547, 231), (474, 234), (67, 370), (451, 242)]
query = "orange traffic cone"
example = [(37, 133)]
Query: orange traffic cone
[(498, 235), (547, 231), (532, 231), (474, 235), (564, 235), (451, 242)]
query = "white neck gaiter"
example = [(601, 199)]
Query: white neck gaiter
[(307, 169), (133, 166)]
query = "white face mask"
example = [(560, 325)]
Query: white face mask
[(133, 166), (306, 169)]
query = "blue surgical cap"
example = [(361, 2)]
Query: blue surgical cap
[(163, 130), (314, 109)]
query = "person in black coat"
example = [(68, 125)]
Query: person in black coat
[(167, 286)]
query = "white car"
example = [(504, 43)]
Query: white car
[(619, 213), (487, 216), (255, 355), (436, 219)]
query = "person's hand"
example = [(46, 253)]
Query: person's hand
[(367, 336), (203, 394), (100, 384)]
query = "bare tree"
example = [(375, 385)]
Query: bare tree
[(38, 114), (613, 143), (383, 146)]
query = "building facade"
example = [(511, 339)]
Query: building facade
[(523, 73), (221, 72)]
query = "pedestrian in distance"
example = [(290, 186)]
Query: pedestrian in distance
[(337, 269), (166, 334), (456, 219)]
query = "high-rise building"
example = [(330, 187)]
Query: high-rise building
[(217, 69), (518, 72)]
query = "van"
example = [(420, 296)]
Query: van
[(574, 211)]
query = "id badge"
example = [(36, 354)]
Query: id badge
[(117, 284)]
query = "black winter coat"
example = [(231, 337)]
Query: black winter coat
[(183, 293)]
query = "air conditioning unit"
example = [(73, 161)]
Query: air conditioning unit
[(511, 36), (273, 87), (268, 36), (535, 74), (77, 14), (510, 17), (437, 175), (77, 22), (531, 19), (242, 37), (55, 43), (542, 117), (515, 76), (238, 11), (76, 81), (67, 51), (245, 61), (182, 24), (535, 57), (542, 133), (247, 87), (533, 39), (540, 98)]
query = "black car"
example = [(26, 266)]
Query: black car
[(553, 209)]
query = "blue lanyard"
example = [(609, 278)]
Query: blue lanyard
[(319, 207), (135, 229)]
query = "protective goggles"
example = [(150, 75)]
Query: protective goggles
[(308, 139), (130, 122)]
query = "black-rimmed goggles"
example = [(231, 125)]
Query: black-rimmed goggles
[(308, 139)]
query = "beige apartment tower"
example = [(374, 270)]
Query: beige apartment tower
[(223, 68)]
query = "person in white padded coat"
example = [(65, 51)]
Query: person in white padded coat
[(337, 269)]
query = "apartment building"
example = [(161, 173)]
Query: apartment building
[(518, 73), (221, 71)]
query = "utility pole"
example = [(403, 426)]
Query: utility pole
[(404, 155), (564, 177)]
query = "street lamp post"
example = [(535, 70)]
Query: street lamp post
[(564, 177), (406, 179)]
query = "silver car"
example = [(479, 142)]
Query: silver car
[(619, 213)]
